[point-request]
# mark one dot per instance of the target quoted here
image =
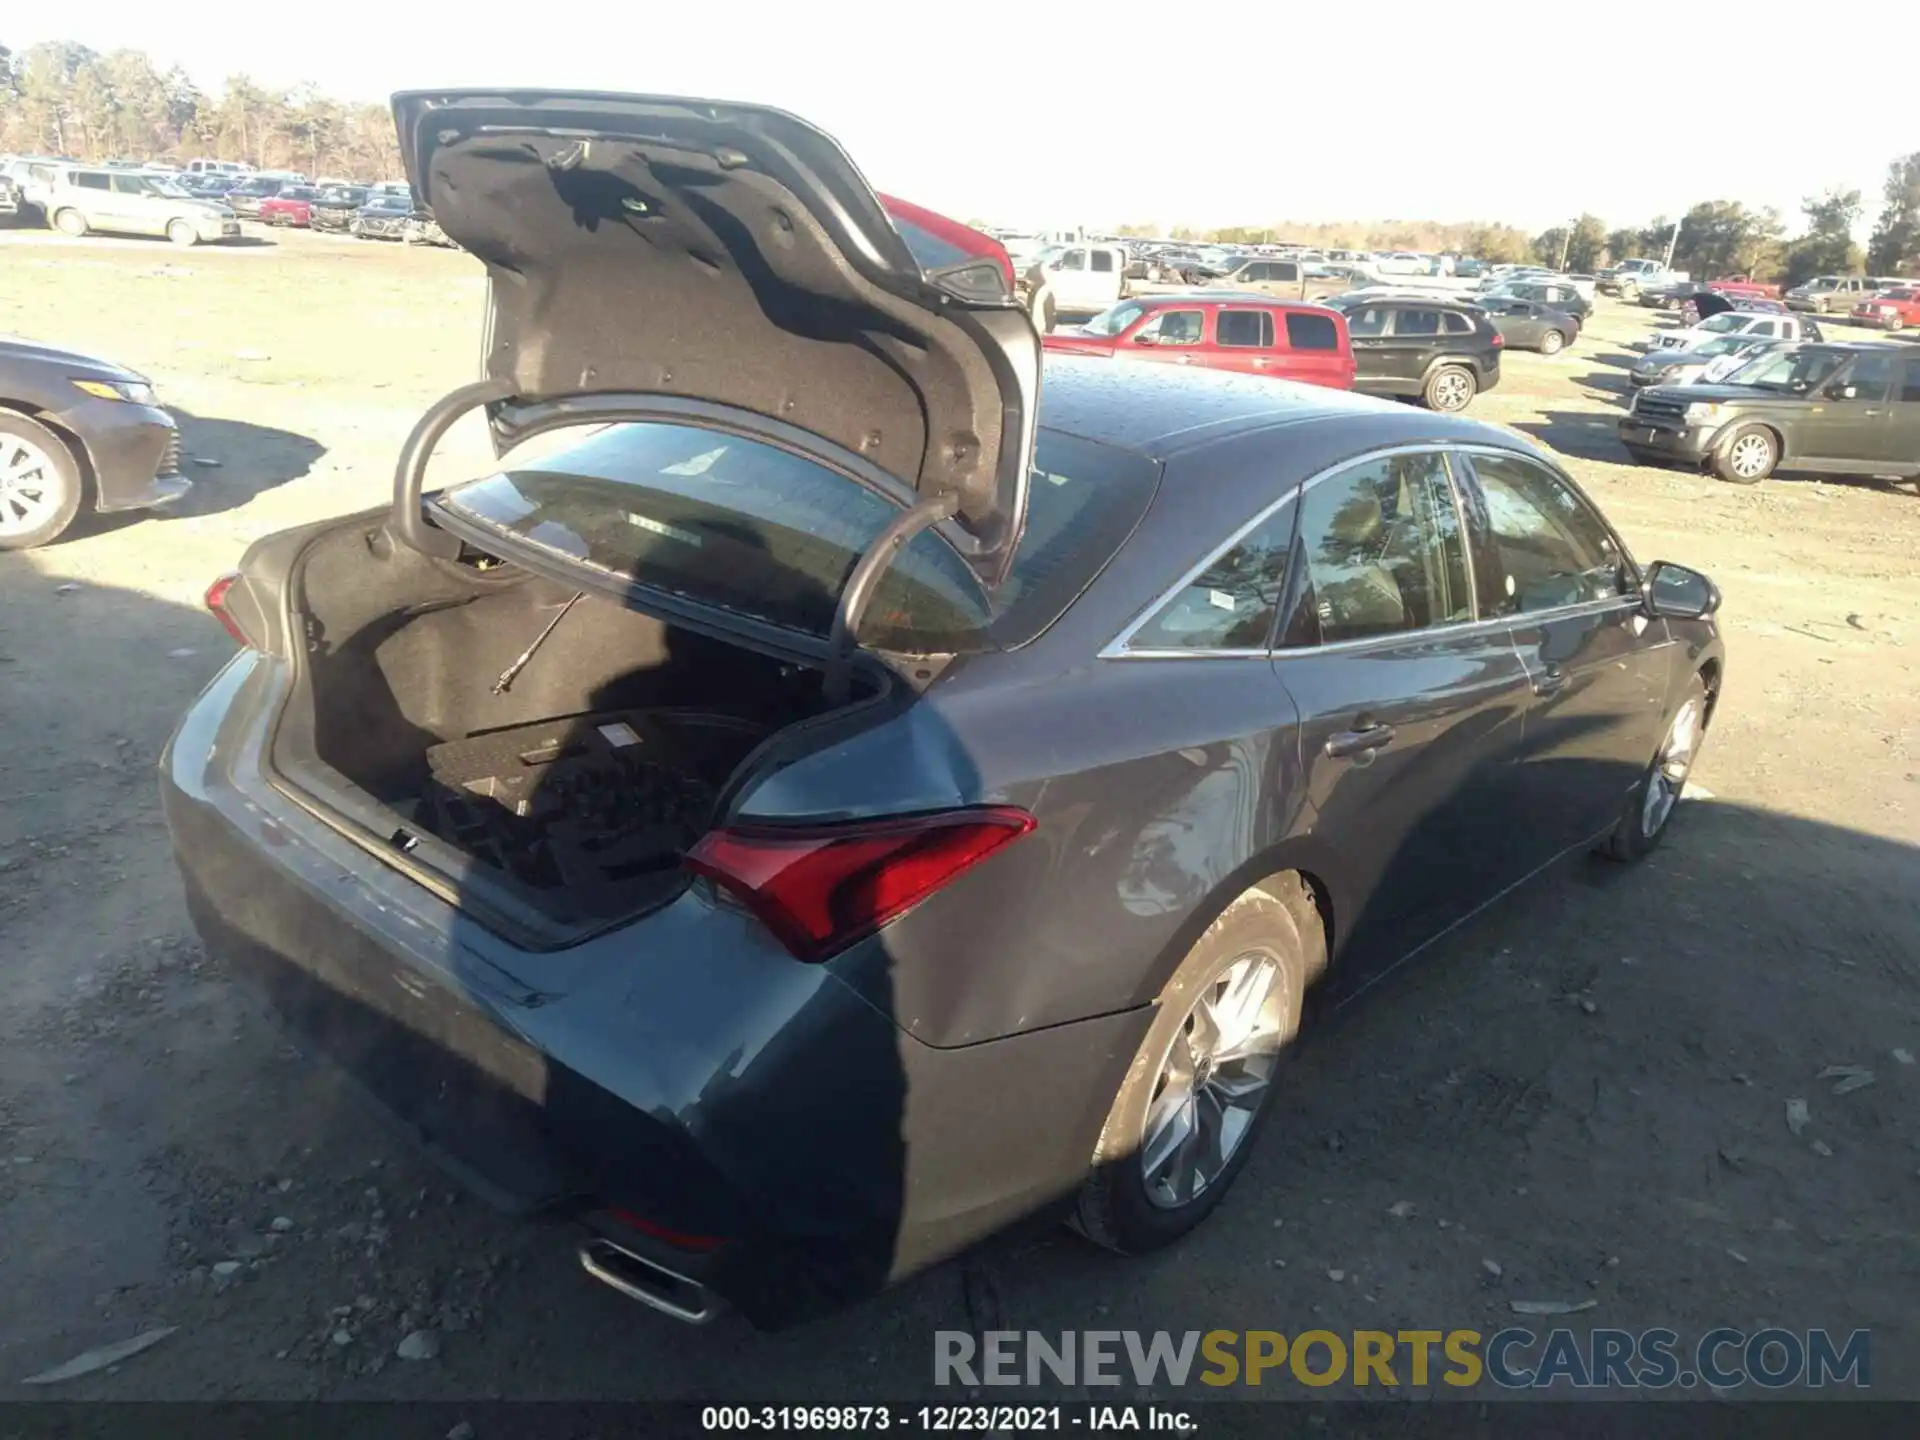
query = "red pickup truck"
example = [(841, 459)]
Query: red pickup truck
[(1250, 334), (1745, 286)]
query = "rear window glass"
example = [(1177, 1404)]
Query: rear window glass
[(1311, 332), (746, 527)]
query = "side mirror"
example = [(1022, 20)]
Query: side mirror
[(1841, 392), (1679, 593), (1146, 337)]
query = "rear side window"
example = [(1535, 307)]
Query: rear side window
[(1384, 550), (1230, 604), (1458, 324), (1312, 332), (1245, 328), (1417, 322), (745, 527), (83, 180), (1103, 260), (1367, 322), (1869, 376)]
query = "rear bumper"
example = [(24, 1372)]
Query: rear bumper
[(694, 1075)]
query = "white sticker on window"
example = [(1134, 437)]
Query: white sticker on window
[(620, 734), (1220, 598), (1510, 585), (657, 527)]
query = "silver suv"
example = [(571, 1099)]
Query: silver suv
[(133, 202)]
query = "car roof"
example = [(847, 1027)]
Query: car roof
[(1161, 411), (1186, 298)]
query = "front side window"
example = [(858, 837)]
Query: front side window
[(1174, 327), (1229, 605), (86, 180), (1245, 329), (1383, 549), (1721, 324), (128, 185), (1073, 260), (1552, 549)]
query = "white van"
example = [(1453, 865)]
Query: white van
[(218, 167)]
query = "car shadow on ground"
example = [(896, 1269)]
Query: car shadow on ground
[(1587, 434), (229, 461)]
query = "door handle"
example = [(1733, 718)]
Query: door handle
[(1550, 681), (1359, 742)]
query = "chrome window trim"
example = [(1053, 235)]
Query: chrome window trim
[(1118, 648)]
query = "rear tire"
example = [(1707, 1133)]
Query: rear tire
[(1449, 389), (70, 222), (181, 233), (1147, 1187), (40, 483), (1650, 806), (1747, 456), (1552, 343)]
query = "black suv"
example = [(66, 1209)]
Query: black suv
[(1833, 409), (1443, 353)]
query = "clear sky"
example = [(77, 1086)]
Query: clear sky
[(1058, 113)]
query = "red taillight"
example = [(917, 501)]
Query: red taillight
[(1498, 339), (943, 248), (217, 594), (820, 888)]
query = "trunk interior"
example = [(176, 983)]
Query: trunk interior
[(574, 792)]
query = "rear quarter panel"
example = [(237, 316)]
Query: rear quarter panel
[(1163, 788)]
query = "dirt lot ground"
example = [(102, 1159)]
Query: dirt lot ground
[(1585, 1087)]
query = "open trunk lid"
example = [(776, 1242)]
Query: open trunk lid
[(725, 264)]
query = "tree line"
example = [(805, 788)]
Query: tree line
[(62, 98), (1717, 239)]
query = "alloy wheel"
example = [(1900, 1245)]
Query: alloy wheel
[(1212, 1081), (1750, 456), (1450, 391), (29, 486), (1670, 768)]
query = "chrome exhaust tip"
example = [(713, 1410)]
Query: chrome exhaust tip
[(649, 1282)]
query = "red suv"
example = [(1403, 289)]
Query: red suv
[(1892, 309), (1248, 333)]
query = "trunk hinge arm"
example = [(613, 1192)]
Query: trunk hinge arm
[(865, 579), (407, 524)]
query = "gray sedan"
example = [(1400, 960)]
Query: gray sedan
[(1529, 324), (77, 433), (874, 789)]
